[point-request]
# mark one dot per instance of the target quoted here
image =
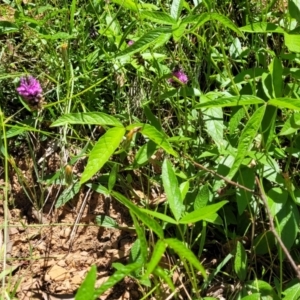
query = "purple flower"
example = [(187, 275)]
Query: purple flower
[(131, 42), (30, 89), (180, 75)]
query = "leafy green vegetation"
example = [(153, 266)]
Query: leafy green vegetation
[(196, 100)]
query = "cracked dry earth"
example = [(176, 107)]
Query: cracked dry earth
[(48, 257)]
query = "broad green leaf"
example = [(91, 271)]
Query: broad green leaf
[(276, 71), (8, 27), (106, 221), (240, 261), (255, 296), (87, 288), (185, 254), (264, 243), (102, 151), (178, 31), (246, 139), (157, 253), (201, 213), (213, 118), (226, 22), (159, 215), (151, 223), (115, 278), (91, 118), (203, 197), (246, 177), (292, 293), (98, 188), (129, 4), (287, 223), (277, 198), (231, 101), (144, 153), (158, 17), (172, 191), (158, 137), (292, 41), (237, 114), (262, 27), (289, 103), (294, 9), (145, 41), (262, 287), (268, 126), (68, 194), (176, 8), (290, 126), (267, 85), (113, 177), (184, 188)]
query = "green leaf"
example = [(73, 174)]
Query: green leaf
[(159, 215), (152, 224), (262, 27), (113, 177), (158, 137), (277, 198), (264, 243), (106, 221), (255, 296), (294, 9), (185, 254), (226, 22), (246, 139), (290, 126), (172, 191), (201, 213), (158, 17), (178, 31), (231, 101), (91, 118), (87, 288), (184, 188), (8, 27), (157, 253), (145, 41), (292, 293), (176, 8), (240, 261), (262, 287), (292, 41), (129, 4), (98, 188), (115, 278), (57, 36), (140, 230), (287, 223), (144, 153), (213, 118), (289, 103), (68, 194), (203, 197), (246, 177), (102, 151), (277, 71)]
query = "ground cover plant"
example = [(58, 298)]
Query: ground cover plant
[(149, 150)]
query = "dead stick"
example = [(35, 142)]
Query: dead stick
[(273, 230)]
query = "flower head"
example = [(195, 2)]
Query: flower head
[(131, 42), (180, 75), (30, 89)]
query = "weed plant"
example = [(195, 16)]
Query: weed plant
[(196, 100)]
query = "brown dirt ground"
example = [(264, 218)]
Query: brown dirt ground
[(49, 261)]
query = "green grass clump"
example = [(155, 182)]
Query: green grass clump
[(196, 100)]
